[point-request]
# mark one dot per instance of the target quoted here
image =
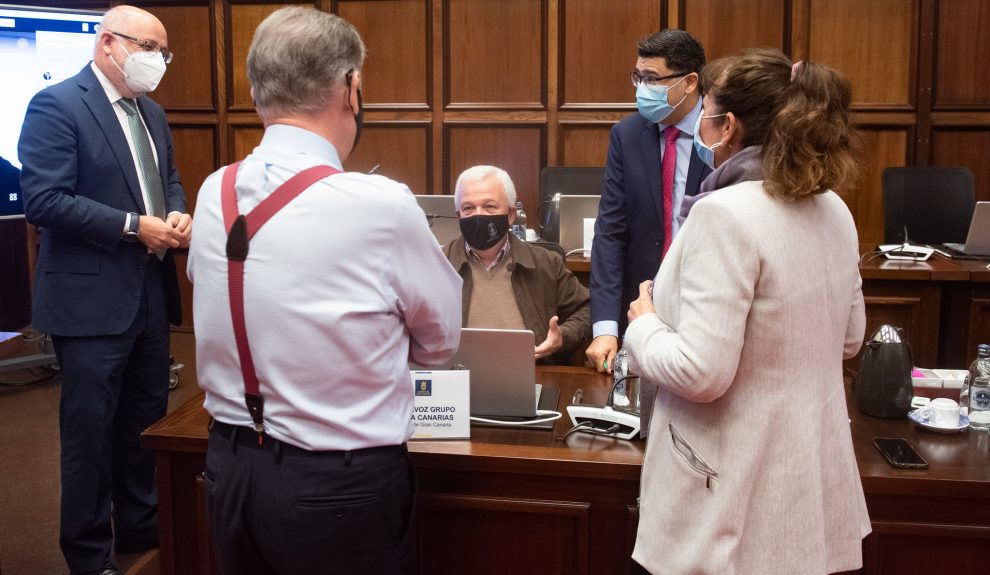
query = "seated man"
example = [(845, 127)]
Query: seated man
[(513, 285)]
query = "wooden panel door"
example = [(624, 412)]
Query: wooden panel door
[(396, 72), (725, 27), (874, 44), (597, 50), (494, 54), (962, 76)]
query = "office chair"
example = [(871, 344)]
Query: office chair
[(934, 204), (550, 246), (575, 181)]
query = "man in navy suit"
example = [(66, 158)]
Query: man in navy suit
[(99, 180), (637, 213)]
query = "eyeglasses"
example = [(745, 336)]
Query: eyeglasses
[(703, 117), (148, 46), (652, 81)]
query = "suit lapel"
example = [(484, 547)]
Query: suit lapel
[(650, 144), (96, 100), (697, 172)]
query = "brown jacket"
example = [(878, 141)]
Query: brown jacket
[(543, 288)]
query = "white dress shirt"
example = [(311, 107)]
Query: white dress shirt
[(342, 288), (685, 147), (114, 96)]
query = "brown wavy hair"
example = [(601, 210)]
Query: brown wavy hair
[(799, 116)]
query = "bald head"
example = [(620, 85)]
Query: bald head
[(112, 48)]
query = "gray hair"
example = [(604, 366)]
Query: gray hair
[(298, 55), (479, 173)]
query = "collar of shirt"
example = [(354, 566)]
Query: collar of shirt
[(285, 138), (687, 123), (506, 248), (112, 93)]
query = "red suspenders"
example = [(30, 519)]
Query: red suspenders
[(240, 229)]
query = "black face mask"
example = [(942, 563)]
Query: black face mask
[(359, 116), (482, 232)]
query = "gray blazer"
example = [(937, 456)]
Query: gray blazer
[(749, 466)]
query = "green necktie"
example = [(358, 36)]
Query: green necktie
[(146, 159)]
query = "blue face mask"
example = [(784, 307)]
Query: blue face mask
[(705, 153), (652, 102)]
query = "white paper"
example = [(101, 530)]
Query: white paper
[(589, 235)]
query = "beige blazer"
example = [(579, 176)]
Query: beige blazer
[(749, 466)]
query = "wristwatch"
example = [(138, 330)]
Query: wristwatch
[(131, 233)]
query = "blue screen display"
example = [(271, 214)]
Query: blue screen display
[(39, 47)]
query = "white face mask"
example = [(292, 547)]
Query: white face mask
[(142, 70)]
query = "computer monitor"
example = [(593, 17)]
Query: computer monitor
[(39, 47)]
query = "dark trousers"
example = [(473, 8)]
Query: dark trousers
[(276, 509), (113, 388)]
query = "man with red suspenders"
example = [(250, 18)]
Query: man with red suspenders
[(313, 289)]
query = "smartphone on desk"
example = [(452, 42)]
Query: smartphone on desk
[(899, 453)]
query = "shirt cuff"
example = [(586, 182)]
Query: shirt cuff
[(605, 327), (127, 223)]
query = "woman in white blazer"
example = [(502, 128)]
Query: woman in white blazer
[(749, 466)]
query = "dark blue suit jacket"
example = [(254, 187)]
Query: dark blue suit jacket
[(78, 182), (629, 232)]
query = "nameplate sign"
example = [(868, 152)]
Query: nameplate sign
[(442, 409)]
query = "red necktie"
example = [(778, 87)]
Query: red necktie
[(667, 182)]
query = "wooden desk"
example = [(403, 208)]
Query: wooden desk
[(520, 501)]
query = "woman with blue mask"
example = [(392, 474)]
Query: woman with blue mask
[(733, 123), (749, 465)]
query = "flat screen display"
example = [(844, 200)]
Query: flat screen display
[(39, 47)]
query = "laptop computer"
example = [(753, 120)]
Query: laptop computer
[(442, 217), (978, 238), (503, 373), (573, 211)]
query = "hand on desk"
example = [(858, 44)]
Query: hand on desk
[(553, 341)]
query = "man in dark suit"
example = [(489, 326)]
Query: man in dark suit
[(644, 185), (99, 180)]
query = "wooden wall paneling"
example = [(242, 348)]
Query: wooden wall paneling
[(189, 83), (965, 146), (195, 158), (962, 49), (242, 20), (244, 138), (438, 59), (584, 144), (597, 50), (495, 54), (874, 44), (979, 319), (517, 149), (555, 539), (725, 27), (396, 33), (883, 147), (401, 152)]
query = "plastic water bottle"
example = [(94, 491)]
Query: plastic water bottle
[(519, 226), (620, 369), (975, 394)]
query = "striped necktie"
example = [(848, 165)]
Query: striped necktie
[(146, 160)]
